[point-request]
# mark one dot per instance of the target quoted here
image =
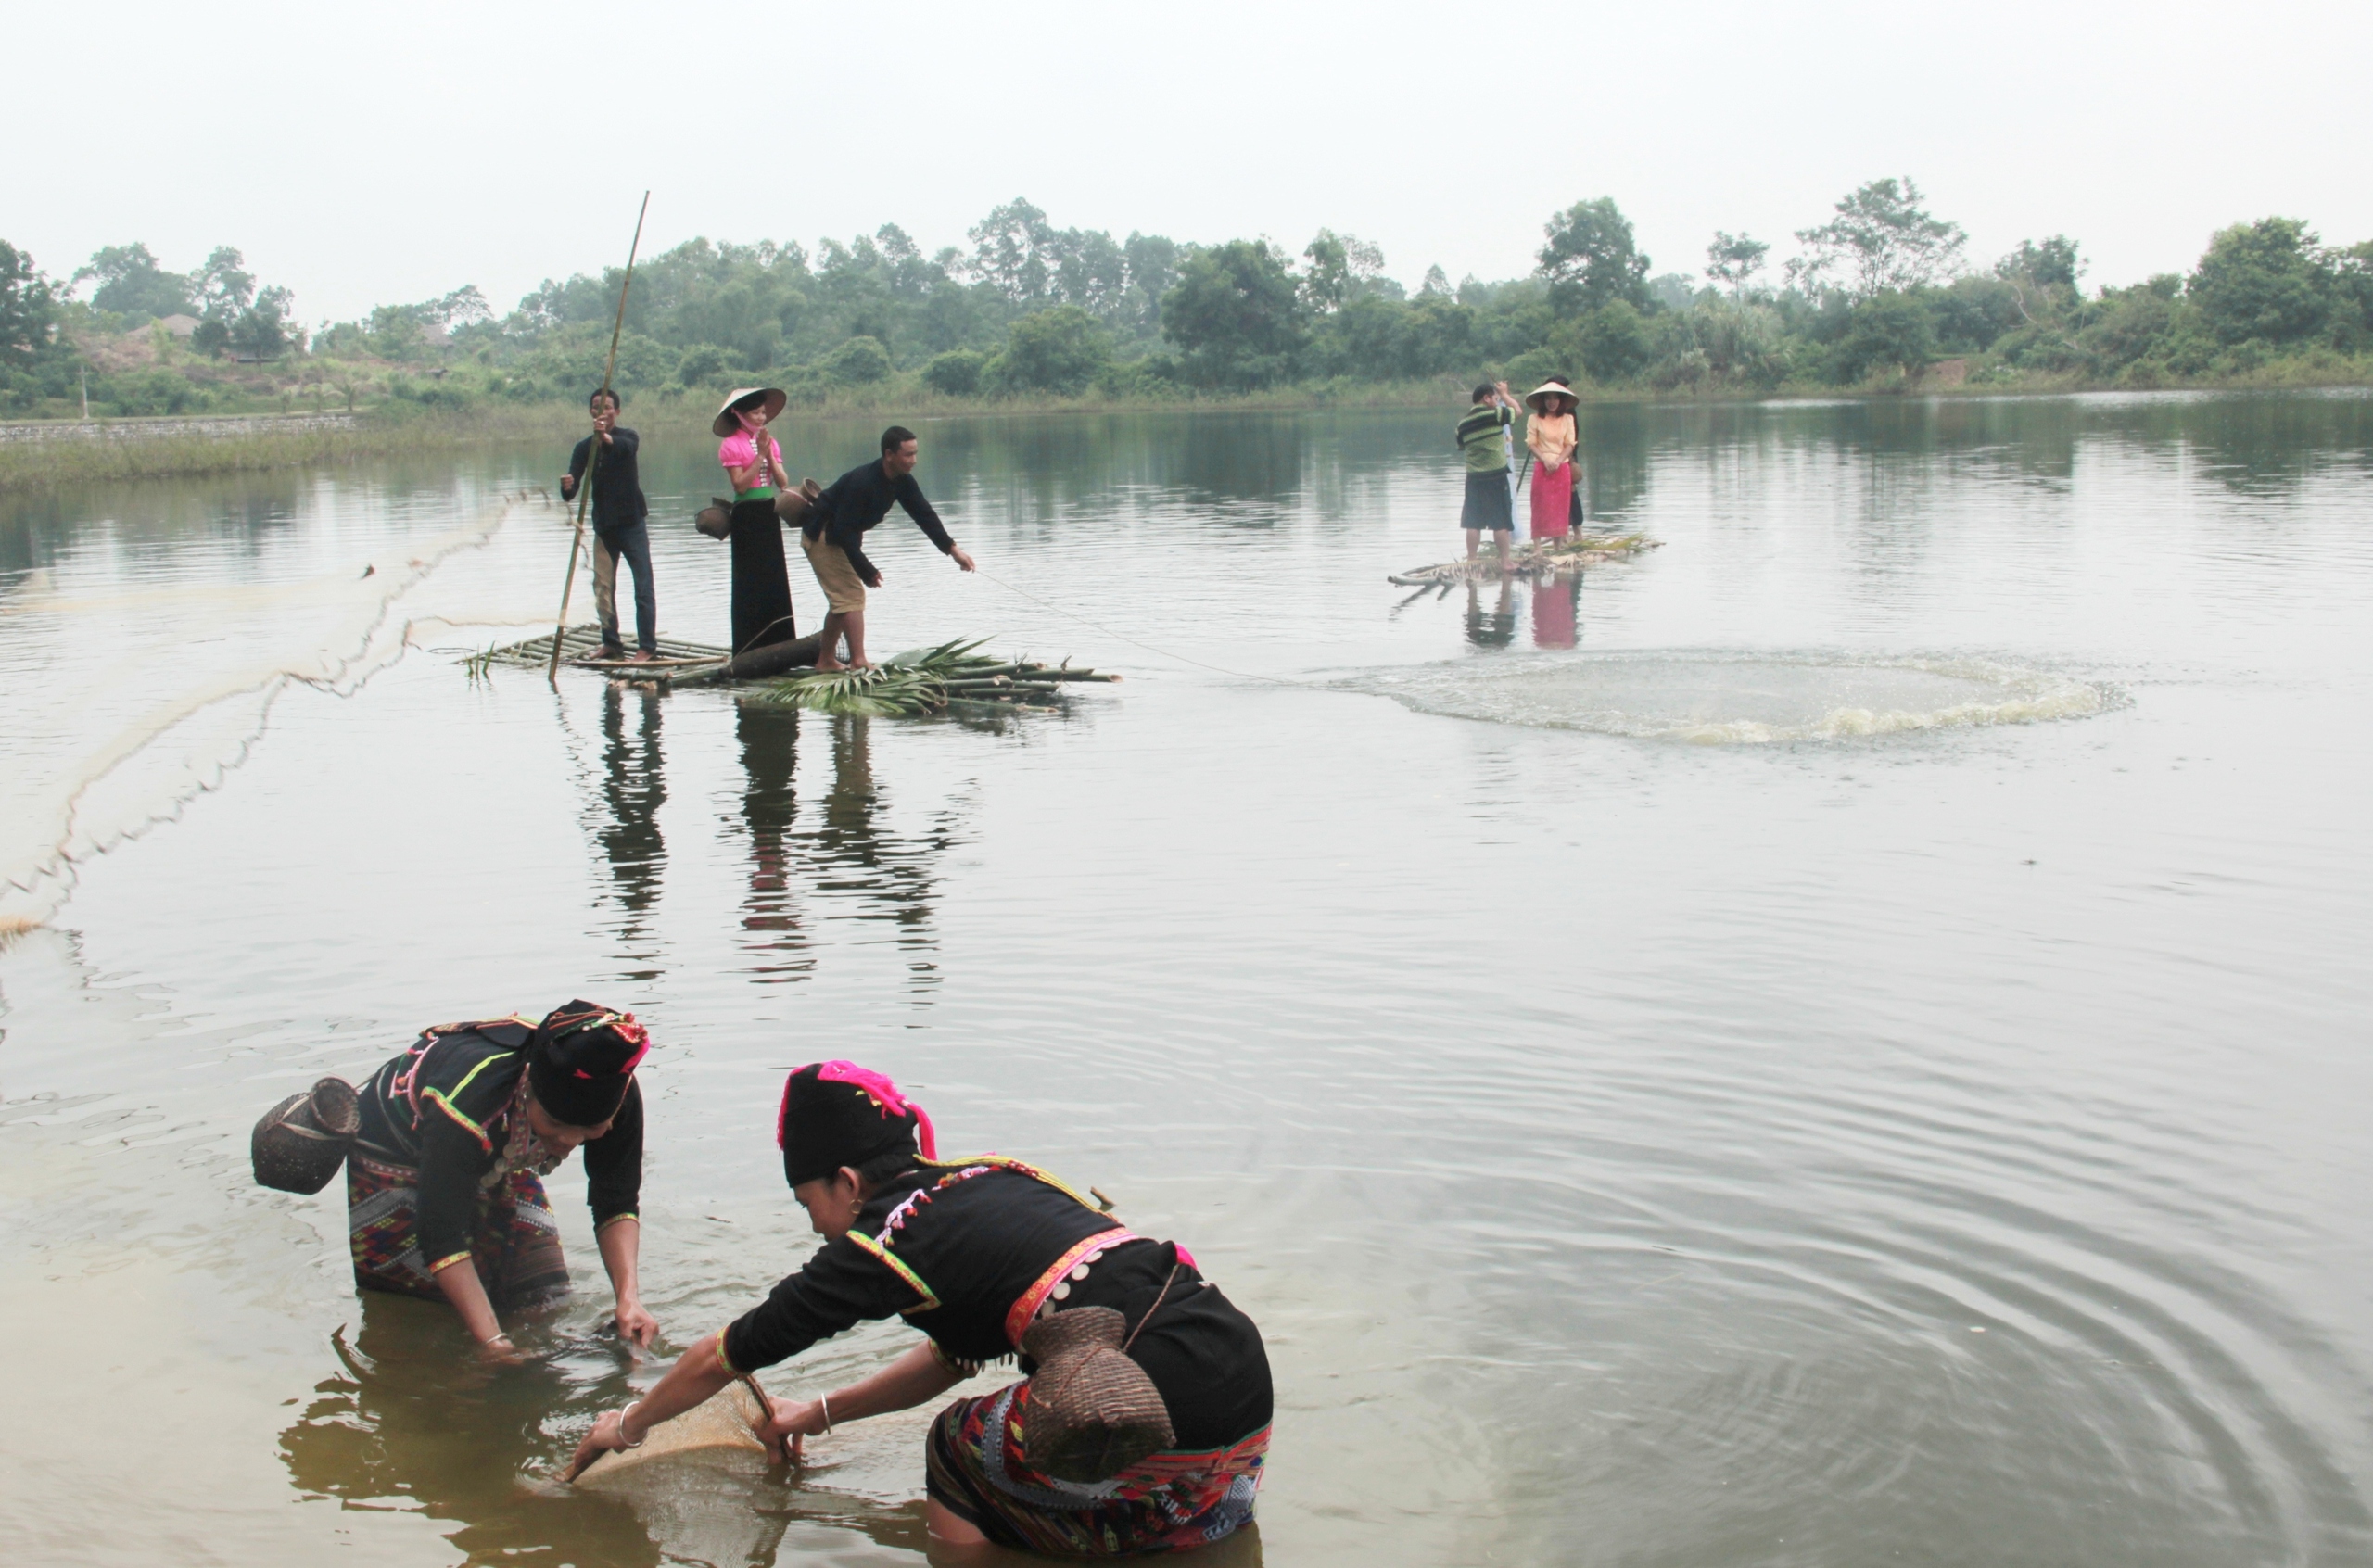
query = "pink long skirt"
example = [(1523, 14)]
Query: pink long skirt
[(1553, 496)]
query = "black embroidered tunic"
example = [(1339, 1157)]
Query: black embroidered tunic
[(966, 1250), (446, 1110)]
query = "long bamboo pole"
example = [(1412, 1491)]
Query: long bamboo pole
[(593, 454)]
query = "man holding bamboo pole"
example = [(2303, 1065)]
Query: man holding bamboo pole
[(619, 531)]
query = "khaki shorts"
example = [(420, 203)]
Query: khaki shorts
[(842, 592)]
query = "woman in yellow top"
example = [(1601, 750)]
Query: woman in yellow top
[(1551, 434)]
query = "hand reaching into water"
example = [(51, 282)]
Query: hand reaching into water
[(795, 1422), (607, 1437), (500, 1352), (635, 1325)]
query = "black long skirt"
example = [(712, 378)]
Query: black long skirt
[(761, 582)]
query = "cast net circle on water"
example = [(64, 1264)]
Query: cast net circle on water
[(1746, 698)]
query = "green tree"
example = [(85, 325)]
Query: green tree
[(1615, 342), (1885, 237), (28, 311), (2266, 279), (1153, 272), (2052, 263), (397, 333), (1971, 313), (860, 361), (1591, 260), (1058, 350), (1889, 330), (1339, 264), (956, 373), (212, 337), (1731, 262), (130, 283), (702, 365), (1014, 252), (1237, 314), (2352, 293), (223, 286), (262, 328)]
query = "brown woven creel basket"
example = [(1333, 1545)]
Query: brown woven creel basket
[(301, 1142), (1093, 1412)]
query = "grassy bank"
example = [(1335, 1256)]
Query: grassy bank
[(123, 451), (401, 427)]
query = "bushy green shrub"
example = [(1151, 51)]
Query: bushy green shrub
[(151, 392), (860, 361), (1891, 330), (1531, 368), (1059, 351), (1155, 377), (702, 366), (1616, 345), (956, 373)]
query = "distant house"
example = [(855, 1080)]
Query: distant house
[(432, 335), (180, 326)]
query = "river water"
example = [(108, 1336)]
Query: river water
[(1839, 1041)]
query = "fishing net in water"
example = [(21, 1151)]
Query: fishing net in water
[(141, 671)]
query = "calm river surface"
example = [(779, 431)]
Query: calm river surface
[(1841, 1042)]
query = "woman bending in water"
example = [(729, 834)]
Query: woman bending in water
[(991, 1257), (445, 1195)]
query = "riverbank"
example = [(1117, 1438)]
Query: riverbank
[(37, 453)]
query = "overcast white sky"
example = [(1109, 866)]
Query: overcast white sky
[(367, 154)]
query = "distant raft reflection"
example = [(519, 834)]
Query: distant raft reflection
[(840, 849), (1729, 699)]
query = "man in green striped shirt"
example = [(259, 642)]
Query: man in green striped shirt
[(1488, 508)]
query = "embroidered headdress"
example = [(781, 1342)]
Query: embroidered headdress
[(838, 1113), (580, 1060)]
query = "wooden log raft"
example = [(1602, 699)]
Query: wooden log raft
[(1532, 557)]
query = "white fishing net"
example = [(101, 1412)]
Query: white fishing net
[(129, 701)]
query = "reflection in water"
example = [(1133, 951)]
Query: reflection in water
[(406, 1426), (1557, 610), (1497, 629), (634, 786), (409, 1428), (769, 737), (848, 851)]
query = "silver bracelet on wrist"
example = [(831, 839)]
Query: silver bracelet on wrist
[(622, 1427), (825, 1400)]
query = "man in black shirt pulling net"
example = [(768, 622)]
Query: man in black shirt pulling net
[(833, 540)]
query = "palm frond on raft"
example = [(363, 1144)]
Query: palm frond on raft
[(929, 680)]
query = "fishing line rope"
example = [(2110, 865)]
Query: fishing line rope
[(1164, 652)]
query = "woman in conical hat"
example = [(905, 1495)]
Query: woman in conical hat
[(1551, 433), (445, 1195), (1145, 1421), (753, 461)]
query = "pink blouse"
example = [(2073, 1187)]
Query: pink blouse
[(739, 450)]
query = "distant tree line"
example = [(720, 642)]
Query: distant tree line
[(1877, 293)]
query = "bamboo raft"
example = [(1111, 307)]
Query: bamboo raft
[(580, 649), (927, 680), (1534, 557)]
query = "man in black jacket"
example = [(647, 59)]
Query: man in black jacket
[(618, 528), (834, 538)]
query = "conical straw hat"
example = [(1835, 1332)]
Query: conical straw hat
[(727, 421)]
